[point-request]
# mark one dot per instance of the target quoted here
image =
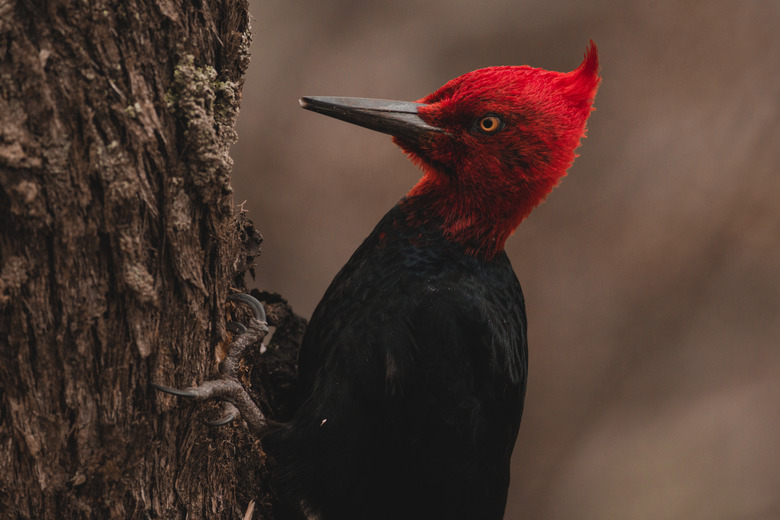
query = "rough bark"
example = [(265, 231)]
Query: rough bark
[(119, 244)]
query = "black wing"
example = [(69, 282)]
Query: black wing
[(412, 373)]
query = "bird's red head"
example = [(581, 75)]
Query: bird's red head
[(491, 143), (510, 135)]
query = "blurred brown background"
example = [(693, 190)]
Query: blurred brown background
[(652, 275)]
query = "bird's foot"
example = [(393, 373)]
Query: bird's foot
[(226, 387)]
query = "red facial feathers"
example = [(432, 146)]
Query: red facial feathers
[(482, 181)]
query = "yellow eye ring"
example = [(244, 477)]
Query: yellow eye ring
[(490, 124)]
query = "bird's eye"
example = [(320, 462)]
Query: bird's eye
[(490, 124)]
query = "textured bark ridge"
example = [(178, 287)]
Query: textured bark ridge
[(119, 244)]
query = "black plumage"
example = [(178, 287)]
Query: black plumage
[(412, 377)]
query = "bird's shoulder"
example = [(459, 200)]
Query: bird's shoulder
[(406, 295)]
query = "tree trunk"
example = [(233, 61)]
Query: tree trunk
[(119, 245)]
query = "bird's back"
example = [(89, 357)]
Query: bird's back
[(412, 376)]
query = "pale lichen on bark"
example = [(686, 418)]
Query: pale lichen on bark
[(207, 107)]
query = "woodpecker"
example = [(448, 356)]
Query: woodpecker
[(413, 368)]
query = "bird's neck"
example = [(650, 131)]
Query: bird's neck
[(478, 220)]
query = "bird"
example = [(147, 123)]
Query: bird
[(413, 367)]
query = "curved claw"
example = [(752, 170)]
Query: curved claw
[(231, 415), (227, 387), (235, 327), (175, 391), (224, 389), (257, 307)]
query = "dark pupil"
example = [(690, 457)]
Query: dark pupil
[(487, 123)]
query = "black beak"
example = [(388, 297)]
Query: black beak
[(397, 118)]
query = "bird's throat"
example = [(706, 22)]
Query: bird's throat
[(473, 220)]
